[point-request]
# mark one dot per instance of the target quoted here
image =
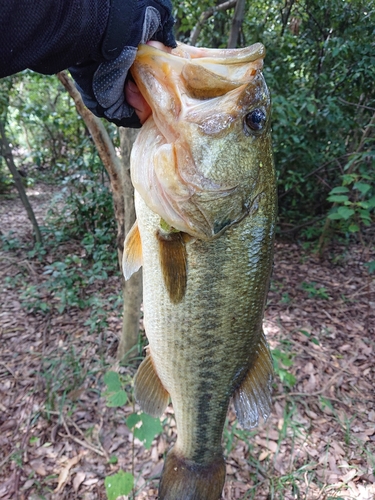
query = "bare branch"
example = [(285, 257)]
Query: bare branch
[(237, 21), (106, 151), (356, 104), (229, 4), (6, 152)]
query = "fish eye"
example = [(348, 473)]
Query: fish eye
[(255, 120)]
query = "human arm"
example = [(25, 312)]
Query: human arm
[(95, 39)]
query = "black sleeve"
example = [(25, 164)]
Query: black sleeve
[(48, 36)]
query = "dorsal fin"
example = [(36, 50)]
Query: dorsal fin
[(132, 256), (173, 263)]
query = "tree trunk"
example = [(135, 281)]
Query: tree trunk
[(132, 289), (285, 13), (107, 153), (238, 17), (6, 152), (122, 191)]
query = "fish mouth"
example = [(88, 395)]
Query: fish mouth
[(192, 92), (171, 80)]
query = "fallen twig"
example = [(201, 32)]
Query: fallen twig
[(80, 442), (9, 370)]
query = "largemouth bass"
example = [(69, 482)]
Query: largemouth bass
[(203, 172)]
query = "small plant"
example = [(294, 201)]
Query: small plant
[(10, 242), (314, 291), (234, 432), (114, 394), (285, 298), (61, 376), (313, 339), (282, 361), (354, 200), (144, 427), (371, 266)]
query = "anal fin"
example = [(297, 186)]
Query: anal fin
[(252, 399), (173, 264), (149, 392), (132, 256)]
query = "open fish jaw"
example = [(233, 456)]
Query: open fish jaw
[(191, 141)]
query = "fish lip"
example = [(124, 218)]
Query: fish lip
[(219, 56)]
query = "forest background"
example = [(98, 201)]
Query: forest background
[(320, 68)]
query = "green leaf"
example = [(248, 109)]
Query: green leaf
[(326, 402), (150, 427), (283, 357), (363, 204), (353, 159), (353, 228), (371, 266), (365, 215), (362, 187), (133, 420), (339, 190), (112, 381), (116, 399), (288, 378), (335, 216), (310, 107), (345, 212), (118, 484), (338, 198)]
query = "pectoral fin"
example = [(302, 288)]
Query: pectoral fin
[(148, 389), (173, 264), (132, 256), (253, 398)]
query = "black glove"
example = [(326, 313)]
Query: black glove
[(101, 83)]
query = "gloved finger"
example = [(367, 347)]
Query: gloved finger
[(160, 46)]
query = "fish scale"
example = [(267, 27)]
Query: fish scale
[(206, 257)]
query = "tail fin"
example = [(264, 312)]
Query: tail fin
[(186, 480)]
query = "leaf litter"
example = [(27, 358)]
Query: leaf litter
[(59, 439)]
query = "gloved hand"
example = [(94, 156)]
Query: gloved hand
[(102, 83)]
